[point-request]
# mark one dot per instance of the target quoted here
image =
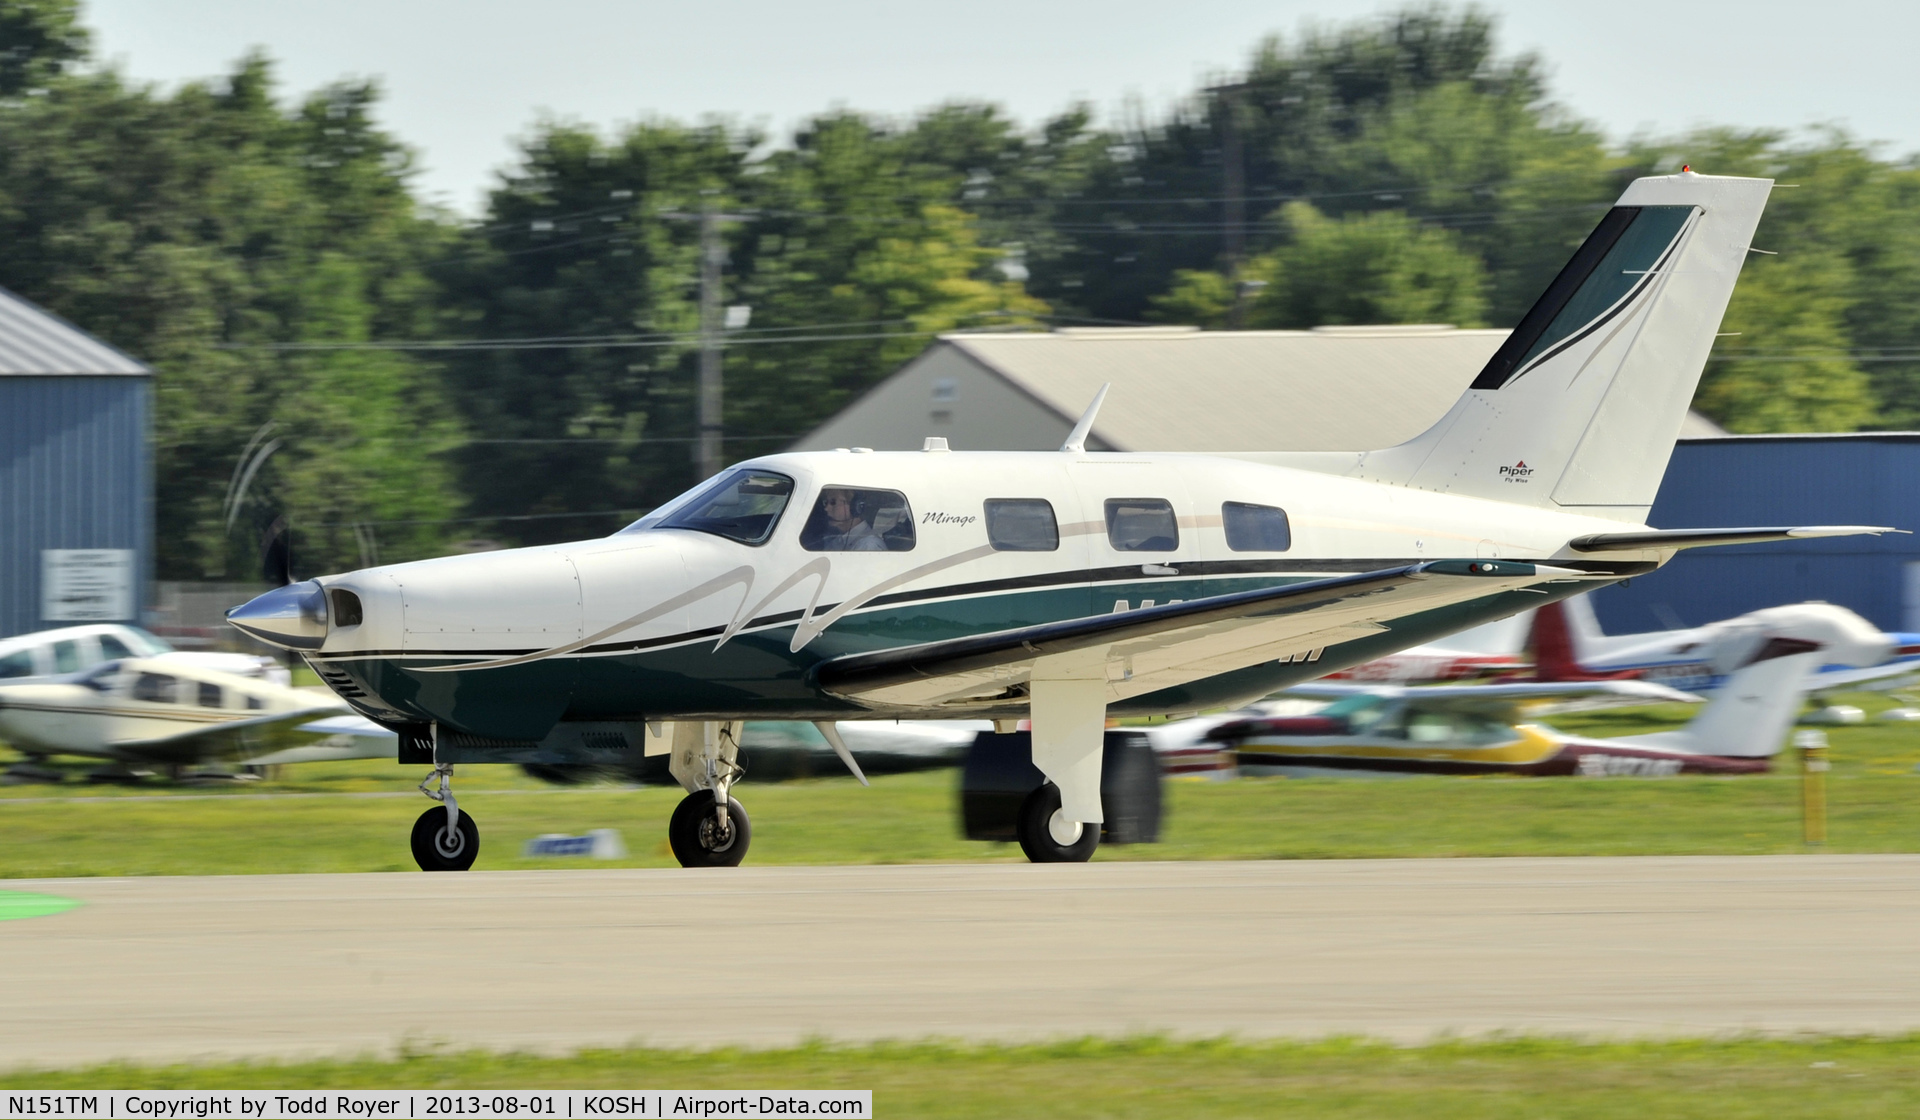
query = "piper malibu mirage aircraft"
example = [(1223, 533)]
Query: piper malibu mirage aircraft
[(1060, 586), (1476, 729)]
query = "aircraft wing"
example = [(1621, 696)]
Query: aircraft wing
[(1626, 692), (1142, 651), (234, 738), (1873, 678), (1703, 538)]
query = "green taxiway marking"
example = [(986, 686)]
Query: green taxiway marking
[(27, 904)]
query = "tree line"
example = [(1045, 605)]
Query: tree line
[(412, 382)]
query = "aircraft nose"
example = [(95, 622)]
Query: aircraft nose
[(291, 617)]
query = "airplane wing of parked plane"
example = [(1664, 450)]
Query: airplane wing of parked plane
[(1621, 691), (1139, 651), (257, 735)]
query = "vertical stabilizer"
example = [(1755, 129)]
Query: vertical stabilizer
[(1563, 640), (1750, 715), (1580, 407)]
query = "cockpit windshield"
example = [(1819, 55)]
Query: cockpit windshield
[(742, 506)]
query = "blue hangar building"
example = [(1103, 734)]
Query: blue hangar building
[(1862, 478), (76, 475)]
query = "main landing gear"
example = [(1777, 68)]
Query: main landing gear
[(444, 839), (1048, 835), (709, 828)]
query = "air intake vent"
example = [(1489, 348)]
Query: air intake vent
[(340, 683)]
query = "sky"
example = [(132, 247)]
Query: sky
[(463, 79)]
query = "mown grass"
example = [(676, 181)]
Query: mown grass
[(75, 830), (1863, 1078)]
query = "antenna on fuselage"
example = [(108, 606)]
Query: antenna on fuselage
[(1077, 439)]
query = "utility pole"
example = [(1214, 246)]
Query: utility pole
[(1233, 167), (708, 453)]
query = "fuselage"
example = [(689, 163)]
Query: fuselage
[(663, 622)]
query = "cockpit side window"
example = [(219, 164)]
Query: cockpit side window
[(743, 506), (19, 663), (66, 657), (851, 519), (1252, 528), (113, 648), (155, 687), (1022, 525), (1142, 525)]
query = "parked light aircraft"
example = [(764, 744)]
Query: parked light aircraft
[(69, 649), (1568, 645), (1061, 586), (162, 712), (1478, 729)]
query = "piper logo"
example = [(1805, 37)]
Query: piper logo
[(1516, 473)]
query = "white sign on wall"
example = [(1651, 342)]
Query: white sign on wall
[(86, 584)]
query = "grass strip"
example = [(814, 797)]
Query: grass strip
[(1153, 1076), (1874, 806)]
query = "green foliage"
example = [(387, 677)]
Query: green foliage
[(198, 230), (38, 40), (1793, 375), (1377, 267)]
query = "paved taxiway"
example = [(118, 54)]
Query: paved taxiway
[(328, 964)]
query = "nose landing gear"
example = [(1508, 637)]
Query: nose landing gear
[(444, 839), (709, 828)]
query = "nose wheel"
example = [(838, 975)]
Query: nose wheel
[(439, 848), (702, 837), (445, 837)]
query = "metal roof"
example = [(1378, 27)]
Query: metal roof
[(37, 343), (1180, 388)]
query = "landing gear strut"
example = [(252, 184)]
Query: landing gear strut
[(709, 828), (444, 839)]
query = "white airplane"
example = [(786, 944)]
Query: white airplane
[(162, 712), (69, 649), (1057, 586), (1568, 645), (1480, 729)]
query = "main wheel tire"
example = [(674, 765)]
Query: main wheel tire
[(697, 839), (1036, 834), (435, 849)]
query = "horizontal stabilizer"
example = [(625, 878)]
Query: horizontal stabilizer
[(1704, 538)]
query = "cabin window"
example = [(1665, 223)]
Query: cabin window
[(66, 657), (19, 663), (850, 519), (210, 695), (155, 687), (254, 703), (1252, 528), (1141, 525), (113, 648), (743, 506), (1022, 525)]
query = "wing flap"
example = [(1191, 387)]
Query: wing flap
[(1145, 650)]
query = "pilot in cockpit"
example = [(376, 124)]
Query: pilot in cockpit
[(845, 528)]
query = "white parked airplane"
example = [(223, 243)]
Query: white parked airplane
[(162, 712), (1568, 645), (1061, 586), (69, 649)]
